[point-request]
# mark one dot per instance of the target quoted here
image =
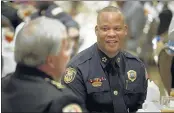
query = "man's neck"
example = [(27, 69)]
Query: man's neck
[(46, 69), (110, 55)]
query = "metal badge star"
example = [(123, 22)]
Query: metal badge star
[(104, 59), (118, 59)]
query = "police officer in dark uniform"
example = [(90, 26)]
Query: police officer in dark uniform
[(105, 77), (52, 10), (41, 54)]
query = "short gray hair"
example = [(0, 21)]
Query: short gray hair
[(38, 39)]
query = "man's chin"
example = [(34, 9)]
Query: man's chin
[(112, 53), (113, 49)]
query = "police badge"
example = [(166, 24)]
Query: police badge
[(70, 75), (132, 75)]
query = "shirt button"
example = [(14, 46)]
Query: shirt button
[(115, 92)]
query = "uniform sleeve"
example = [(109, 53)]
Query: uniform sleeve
[(67, 103), (143, 88), (73, 80)]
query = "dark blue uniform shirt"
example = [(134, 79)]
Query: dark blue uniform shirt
[(101, 90), (31, 90)]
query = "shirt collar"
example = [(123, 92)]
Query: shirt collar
[(22, 70), (104, 59)]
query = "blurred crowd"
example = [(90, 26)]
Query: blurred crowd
[(150, 36), (149, 25)]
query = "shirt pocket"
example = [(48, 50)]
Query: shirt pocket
[(100, 94), (132, 94), (133, 87)]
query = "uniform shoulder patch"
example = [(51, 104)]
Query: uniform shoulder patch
[(55, 83), (70, 74), (72, 108)]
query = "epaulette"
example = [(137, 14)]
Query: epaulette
[(83, 56), (130, 56), (55, 83)]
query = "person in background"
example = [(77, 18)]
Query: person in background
[(135, 19), (161, 37), (170, 44), (52, 10), (11, 13), (41, 53), (165, 18), (107, 78), (6, 22), (166, 58)]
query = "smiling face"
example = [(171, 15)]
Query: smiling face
[(110, 31)]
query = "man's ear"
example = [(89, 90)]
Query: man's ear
[(49, 61), (96, 29), (126, 29)]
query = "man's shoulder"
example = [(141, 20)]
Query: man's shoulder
[(132, 57), (62, 91), (66, 98), (6, 78), (64, 95), (57, 90), (83, 56)]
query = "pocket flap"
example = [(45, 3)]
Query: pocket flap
[(133, 88), (97, 87)]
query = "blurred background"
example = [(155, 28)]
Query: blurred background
[(148, 38)]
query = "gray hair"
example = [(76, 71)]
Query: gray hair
[(38, 39)]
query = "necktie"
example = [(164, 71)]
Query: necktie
[(115, 86)]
